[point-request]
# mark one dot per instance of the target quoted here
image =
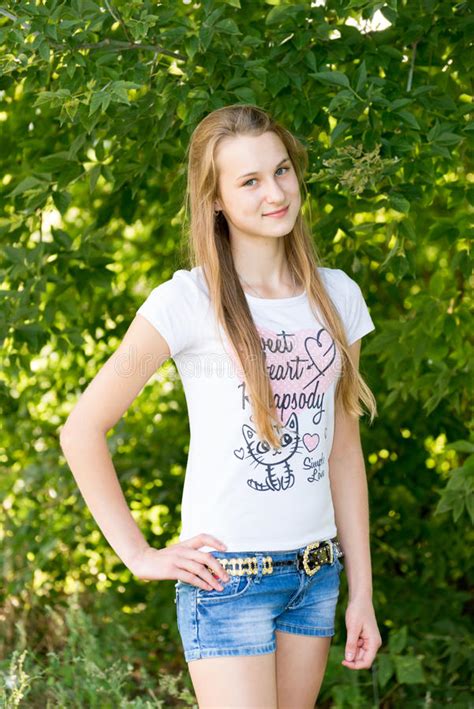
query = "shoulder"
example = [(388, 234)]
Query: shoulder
[(184, 284), (343, 290), (187, 280), (347, 296), (335, 276), (176, 307), (339, 284)]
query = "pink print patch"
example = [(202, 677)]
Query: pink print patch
[(301, 365)]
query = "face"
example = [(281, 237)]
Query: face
[(247, 199)]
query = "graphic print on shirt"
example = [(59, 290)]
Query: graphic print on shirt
[(301, 366)]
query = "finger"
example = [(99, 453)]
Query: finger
[(213, 564), (187, 577), (200, 576), (355, 665), (370, 652), (209, 540), (201, 570), (351, 648), (361, 650), (364, 664), (204, 540)]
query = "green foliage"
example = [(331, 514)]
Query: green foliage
[(91, 669), (97, 104)]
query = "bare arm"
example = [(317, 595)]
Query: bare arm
[(83, 437), (350, 498), (351, 506)]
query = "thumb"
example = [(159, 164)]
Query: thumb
[(351, 645)]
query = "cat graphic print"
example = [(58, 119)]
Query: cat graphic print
[(301, 365)]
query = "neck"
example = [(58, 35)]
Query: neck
[(265, 292), (264, 268)]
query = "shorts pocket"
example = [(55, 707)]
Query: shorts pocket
[(235, 587), (339, 564)]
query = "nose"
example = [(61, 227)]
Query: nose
[(275, 196)]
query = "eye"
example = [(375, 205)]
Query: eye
[(254, 178), (262, 447)]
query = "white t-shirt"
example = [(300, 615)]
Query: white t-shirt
[(236, 488)]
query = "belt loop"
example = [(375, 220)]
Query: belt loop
[(260, 566)]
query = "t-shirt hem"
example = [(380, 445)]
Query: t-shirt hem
[(361, 333), (270, 546)]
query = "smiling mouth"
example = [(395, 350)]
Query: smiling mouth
[(276, 214)]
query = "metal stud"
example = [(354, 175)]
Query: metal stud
[(267, 565)]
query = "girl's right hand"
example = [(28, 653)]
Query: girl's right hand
[(183, 562)]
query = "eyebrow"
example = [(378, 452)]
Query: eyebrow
[(256, 171)]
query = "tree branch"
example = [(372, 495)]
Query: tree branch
[(116, 46), (113, 45)]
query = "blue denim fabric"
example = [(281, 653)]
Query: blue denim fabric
[(242, 619)]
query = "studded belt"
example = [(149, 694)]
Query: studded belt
[(310, 559)]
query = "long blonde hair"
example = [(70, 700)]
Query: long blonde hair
[(209, 247)]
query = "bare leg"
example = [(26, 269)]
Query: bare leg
[(300, 666), (240, 682)]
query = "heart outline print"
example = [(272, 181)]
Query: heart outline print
[(297, 361), (311, 441)]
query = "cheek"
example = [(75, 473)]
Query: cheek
[(244, 209), (294, 186), (249, 203), (296, 194)]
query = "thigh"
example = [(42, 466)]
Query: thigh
[(303, 636), (300, 666), (243, 681)]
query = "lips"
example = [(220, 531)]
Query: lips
[(278, 213)]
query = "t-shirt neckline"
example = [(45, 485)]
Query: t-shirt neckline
[(276, 301)]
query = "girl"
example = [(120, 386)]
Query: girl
[(267, 343)]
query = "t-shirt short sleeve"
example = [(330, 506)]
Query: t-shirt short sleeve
[(169, 308), (357, 319)]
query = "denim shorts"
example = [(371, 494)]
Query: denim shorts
[(242, 618)]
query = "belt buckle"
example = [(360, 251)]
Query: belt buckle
[(310, 572)]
